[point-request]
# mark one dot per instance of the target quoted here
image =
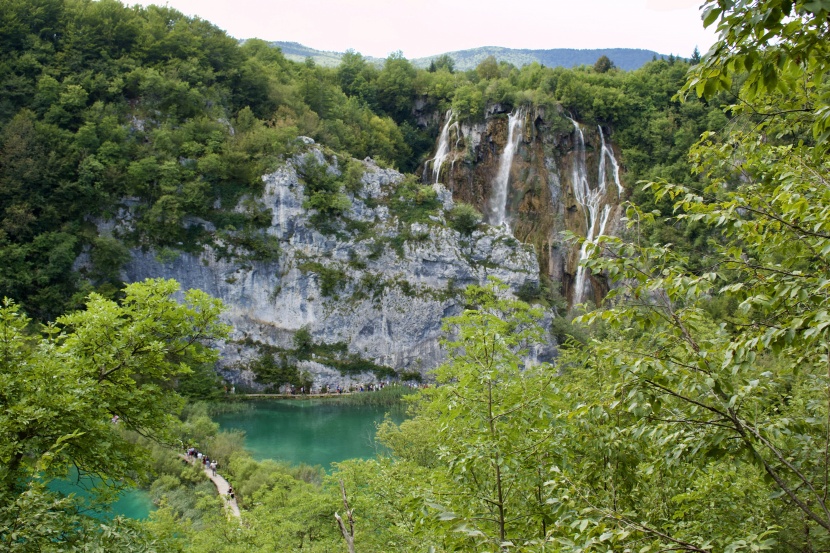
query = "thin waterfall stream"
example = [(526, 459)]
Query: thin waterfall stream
[(443, 151), (498, 198)]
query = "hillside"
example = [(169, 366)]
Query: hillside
[(624, 58), (295, 51)]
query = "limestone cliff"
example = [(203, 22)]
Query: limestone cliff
[(561, 176), (371, 282)]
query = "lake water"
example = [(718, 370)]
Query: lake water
[(132, 503), (311, 431)]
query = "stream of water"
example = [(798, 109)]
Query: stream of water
[(443, 150), (594, 201)]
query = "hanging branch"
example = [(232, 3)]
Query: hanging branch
[(348, 535)]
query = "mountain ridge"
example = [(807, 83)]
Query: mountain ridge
[(625, 58)]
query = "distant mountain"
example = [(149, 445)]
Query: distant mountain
[(624, 58)]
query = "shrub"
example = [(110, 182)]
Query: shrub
[(323, 189), (464, 218), (414, 202), (330, 277)]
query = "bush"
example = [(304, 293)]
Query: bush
[(464, 218), (330, 277), (323, 189), (224, 445), (414, 202), (353, 176), (529, 291), (303, 342)]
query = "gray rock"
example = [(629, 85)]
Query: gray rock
[(386, 305)]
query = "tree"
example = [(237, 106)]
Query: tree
[(444, 61), (352, 65), (491, 412), (61, 387), (488, 68), (468, 103), (695, 59), (777, 60), (603, 64), (396, 87), (722, 372)]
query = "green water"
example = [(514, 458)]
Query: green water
[(131, 503), (313, 431)]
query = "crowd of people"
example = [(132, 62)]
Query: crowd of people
[(207, 463), (204, 460)]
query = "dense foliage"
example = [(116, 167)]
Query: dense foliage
[(144, 114), (69, 391)]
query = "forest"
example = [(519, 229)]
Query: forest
[(688, 412)]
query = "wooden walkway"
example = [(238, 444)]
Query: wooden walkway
[(222, 486)]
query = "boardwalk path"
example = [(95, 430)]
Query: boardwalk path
[(222, 486)]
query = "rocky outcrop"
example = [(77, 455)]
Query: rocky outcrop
[(544, 197), (372, 282)]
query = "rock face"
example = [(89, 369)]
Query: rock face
[(376, 284), (563, 176)]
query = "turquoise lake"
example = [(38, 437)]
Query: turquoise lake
[(131, 503), (311, 431)]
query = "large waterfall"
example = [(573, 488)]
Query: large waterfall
[(591, 200), (498, 197), (443, 150)]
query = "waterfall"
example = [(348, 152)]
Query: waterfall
[(596, 221), (498, 197), (443, 150), (607, 152)]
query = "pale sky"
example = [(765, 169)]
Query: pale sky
[(422, 28)]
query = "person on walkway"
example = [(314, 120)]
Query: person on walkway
[(213, 467)]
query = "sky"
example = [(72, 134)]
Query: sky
[(421, 28)]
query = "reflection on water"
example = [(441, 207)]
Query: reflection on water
[(315, 431)]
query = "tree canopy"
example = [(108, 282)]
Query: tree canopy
[(69, 390)]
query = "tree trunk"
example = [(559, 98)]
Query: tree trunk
[(348, 534)]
